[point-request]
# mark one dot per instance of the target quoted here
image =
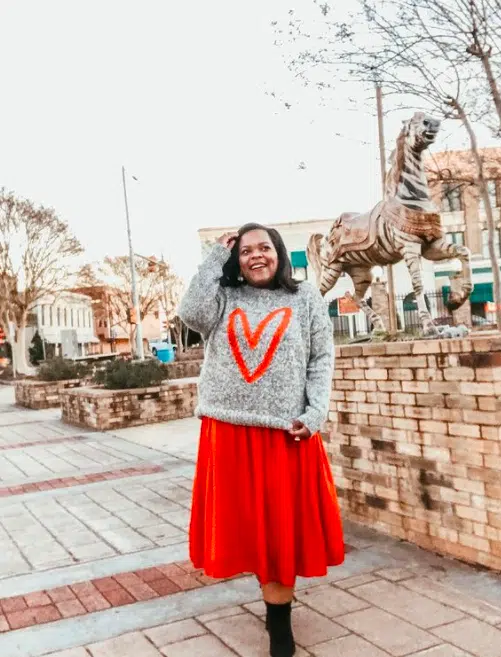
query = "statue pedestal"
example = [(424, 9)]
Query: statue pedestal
[(461, 315), (380, 302)]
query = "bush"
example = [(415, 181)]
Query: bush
[(36, 349), (59, 369), (126, 375)]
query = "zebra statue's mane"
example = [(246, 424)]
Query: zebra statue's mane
[(397, 161)]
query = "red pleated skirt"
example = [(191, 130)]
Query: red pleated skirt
[(263, 504)]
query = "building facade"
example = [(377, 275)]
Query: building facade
[(452, 178), (67, 315), (112, 330)]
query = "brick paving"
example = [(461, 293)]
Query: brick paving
[(97, 565)]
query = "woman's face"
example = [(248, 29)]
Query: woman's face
[(258, 258)]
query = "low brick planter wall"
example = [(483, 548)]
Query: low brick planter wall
[(415, 442), (102, 409), (185, 369), (42, 394), (196, 353)]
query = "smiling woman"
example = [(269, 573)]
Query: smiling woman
[(264, 500), (258, 258)]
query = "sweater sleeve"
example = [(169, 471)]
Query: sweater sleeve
[(320, 366), (203, 303)]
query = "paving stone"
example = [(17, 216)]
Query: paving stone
[(311, 627), (127, 645), (347, 646), (76, 652), (406, 604), (356, 580), (456, 599), (330, 601), (446, 650), (245, 634), (395, 574), (201, 646), (472, 635), (126, 539), (387, 632), (175, 632), (221, 613)]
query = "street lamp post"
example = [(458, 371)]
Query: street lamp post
[(135, 295)]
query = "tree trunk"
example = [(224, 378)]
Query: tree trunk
[(491, 226), (19, 360)]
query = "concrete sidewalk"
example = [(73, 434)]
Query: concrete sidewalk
[(94, 562)]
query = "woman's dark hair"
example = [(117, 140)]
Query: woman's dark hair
[(283, 278)]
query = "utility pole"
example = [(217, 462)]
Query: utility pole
[(135, 295), (382, 157), (164, 285)]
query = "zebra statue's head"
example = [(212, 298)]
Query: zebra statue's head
[(420, 131)]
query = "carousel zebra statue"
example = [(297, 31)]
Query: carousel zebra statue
[(404, 226)]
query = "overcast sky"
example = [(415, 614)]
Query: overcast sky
[(176, 92)]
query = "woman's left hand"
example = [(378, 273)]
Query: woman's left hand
[(299, 431)]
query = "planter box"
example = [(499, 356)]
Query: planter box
[(184, 369), (43, 394), (103, 410)]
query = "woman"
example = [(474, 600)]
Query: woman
[(264, 500)]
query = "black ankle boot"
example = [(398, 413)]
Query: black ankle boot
[(278, 624)]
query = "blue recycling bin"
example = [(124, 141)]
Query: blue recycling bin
[(164, 353)]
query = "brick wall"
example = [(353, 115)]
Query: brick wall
[(42, 394), (102, 409), (414, 437), (193, 353), (184, 369)]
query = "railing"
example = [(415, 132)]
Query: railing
[(350, 326)]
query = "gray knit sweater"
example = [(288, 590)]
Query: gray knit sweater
[(269, 353)]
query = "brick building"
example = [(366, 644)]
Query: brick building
[(463, 215)]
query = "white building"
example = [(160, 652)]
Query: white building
[(64, 316)]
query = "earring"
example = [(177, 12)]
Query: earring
[(240, 278)]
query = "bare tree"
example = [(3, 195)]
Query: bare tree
[(423, 51), (116, 273), (171, 288), (36, 255)]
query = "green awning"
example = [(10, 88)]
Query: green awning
[(298, 259), (482, 293), (333, 309)]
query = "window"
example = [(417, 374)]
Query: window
[(65, 317), (43, 316), (485, 246), (492, 192), (451, 197), (455, 238), (58, 314), (72, 318), (299, 263), (50, 316), (78, 318)]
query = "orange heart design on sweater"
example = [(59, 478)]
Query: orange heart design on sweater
[(253, 339)]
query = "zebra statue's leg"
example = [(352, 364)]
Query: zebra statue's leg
[(362, 278), (412, 258), (442, 250)]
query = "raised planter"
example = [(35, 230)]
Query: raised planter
[(43, 394), (103, 409), (415, 442), (184, 369)]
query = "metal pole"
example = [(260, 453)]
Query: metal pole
[(382, 157), (169, 337), (135, 295)]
